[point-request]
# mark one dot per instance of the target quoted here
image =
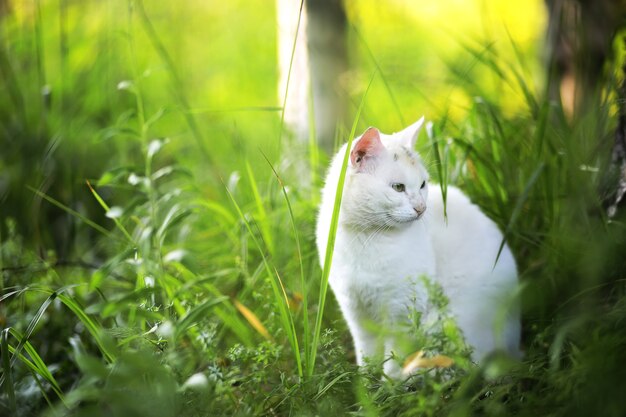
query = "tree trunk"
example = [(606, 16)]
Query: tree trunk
[(319, 61), (580, 34), (328, 62), (580, 38)]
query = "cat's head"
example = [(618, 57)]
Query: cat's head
[(386, 182)]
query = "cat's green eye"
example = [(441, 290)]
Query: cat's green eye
[(398, 187), (423, 185)]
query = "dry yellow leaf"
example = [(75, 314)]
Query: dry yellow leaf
[(417, 360), (295, 300), (252, 319)]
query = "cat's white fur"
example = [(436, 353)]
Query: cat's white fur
[(387, 239)]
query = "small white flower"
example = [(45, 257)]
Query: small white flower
[(175, 255), (197, 381), (154, 146), (114, 212), (232, 181), (149, 281), (166, 329), (134, 179), (125, 85)]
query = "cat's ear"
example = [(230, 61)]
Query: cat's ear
[(409, 135), (366, 149)]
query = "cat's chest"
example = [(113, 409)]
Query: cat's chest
[(374, 263)]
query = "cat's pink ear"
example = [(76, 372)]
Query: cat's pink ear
[(409, 134), (366, 149)]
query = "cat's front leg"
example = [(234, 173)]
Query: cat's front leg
[(367, 345), (365, 334)]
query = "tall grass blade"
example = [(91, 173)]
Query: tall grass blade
[(91, 325), (153, 36), (261, 218), (522, 78), (39, 50), (328, 256), (382, 75), (519, 205), (196, 313), (293, 54), (7, 374), (31, 326), (74, 213), (226, 312), (11, 84), (236, 109), (328, 386), (106, 208), (314, 149), (369, 409), (442, 169), (280, 296), (36, 364), (305, 307)]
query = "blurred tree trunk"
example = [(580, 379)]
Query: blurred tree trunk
[(5, 7), (328, 61), (580, 43), (319, 61)]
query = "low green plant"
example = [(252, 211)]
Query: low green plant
[(188, 285)]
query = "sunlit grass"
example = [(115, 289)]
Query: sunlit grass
[(158, 252)]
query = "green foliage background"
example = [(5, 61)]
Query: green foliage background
[(157, 247)]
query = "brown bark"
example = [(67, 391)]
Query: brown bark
[(580, 37), (328, 62), (579, 43)]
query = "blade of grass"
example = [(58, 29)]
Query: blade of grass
[(92, 326), (31, 325), (62, 206), (328, 386), (195, 313), (487, 55), (280, 296), (519, 204), (261, 217), (523, 76), (293, 54), (106, 208), (174, 216), (36, 364), (365, 398), (5, 378), (328, 257), (12, 85), (236, 109), (305, 308), (227, 314), (441, 164), (314, 150), (7, 374), (382, 74), (153, 36)]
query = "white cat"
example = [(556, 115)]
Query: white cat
[(392, 231)]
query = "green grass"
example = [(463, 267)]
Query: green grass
[(157, 247)]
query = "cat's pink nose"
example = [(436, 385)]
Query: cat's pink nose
[(419, 210)]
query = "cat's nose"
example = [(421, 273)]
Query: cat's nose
[(420, 210)]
